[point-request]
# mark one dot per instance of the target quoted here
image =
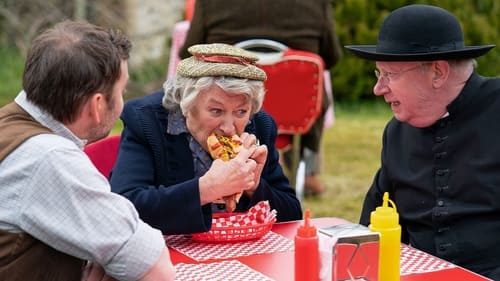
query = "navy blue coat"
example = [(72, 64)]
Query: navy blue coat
[(155, 171)]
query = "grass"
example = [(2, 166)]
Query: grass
[(11, 71), (350, 159)]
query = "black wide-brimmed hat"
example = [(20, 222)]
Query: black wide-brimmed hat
[(419, 33)]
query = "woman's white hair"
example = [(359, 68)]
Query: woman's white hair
[(181, 92)]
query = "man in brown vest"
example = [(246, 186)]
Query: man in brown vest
[(56, 210)]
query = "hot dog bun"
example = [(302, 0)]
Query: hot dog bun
[(225, 148), (222, 147)]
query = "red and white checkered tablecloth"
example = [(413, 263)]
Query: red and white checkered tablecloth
[(271, 242), (416, 261), (218, 271)]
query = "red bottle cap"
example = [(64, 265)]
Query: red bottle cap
[(307, 230)]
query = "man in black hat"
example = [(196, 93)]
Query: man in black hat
[(440, 157)]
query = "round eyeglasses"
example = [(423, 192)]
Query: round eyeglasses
[(388, 76)]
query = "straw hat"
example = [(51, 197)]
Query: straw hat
[(419, 33), (220, 60)]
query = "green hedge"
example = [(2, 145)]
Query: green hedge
[(358, 21), (11, 71)]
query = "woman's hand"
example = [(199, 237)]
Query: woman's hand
[(227, 178), (259, 156)]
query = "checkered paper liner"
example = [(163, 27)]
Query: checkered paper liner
[(271, 242), (258, 214), (416, 261), (231, 227), (224, 270)]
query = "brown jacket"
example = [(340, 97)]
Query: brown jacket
[(300, 24), (23, 257)]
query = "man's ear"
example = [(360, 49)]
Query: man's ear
[(441, 71), (94, 106)]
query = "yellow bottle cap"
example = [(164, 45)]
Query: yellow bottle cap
[(385, 216)]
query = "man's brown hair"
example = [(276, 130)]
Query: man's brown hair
[(70, 62)]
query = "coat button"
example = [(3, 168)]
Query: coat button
[(440, 139), (442, 172), (443, 229), (440, 155)]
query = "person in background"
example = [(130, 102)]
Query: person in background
[(56, 209), (301, 25), (163, 163), (440, 157)]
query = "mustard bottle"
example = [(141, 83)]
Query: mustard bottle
[(385, 220)]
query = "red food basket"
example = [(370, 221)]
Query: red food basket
[(233, 234), (235, 227)]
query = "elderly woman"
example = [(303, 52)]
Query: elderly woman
[(164, 166)]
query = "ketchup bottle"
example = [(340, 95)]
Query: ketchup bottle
[(306, 251), (385, 220)]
